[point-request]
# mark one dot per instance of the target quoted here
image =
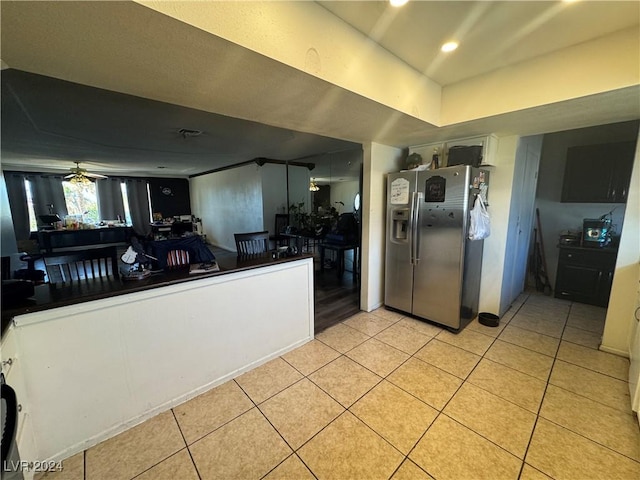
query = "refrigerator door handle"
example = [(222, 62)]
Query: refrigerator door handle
[(412, 229), (417, 197)]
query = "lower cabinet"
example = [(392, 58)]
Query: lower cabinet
[(585, 274)]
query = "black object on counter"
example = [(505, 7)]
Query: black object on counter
[(14, 291)]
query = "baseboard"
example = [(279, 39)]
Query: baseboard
[(615, 351)]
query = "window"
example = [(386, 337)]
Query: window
[(125, 201), (81, 200), (33, 223)]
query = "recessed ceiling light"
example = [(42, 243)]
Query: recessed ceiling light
[(398, 3), (449, 46)]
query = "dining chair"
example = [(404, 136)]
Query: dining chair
[(76, 265), (177, 258), (282, 221), (252, 243)]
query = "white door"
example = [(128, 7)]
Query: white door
[(520, 219), (527, 195)]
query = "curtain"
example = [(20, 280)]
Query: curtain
[(18, 204), (48, 194), (109, 194), (138, 197)]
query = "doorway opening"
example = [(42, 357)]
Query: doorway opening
[(336, 203)]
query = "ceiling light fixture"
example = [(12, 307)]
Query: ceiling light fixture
[(398, 3), (80, 179), (313, 187), (80, 176), (449, 46)]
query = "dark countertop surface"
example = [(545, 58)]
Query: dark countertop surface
[(607, 249), (49, 296)]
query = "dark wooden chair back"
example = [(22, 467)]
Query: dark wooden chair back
[(282, 221), (70, 266), (252, 243)]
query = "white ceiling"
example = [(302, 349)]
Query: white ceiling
[(281, 112), (491, 35)]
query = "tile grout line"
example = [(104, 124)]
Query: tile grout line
[(348, 409), (441, 412), (544, 394), (193, 461)]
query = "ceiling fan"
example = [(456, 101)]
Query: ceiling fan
[(81, 176)]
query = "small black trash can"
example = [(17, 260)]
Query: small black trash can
[(489, 319)]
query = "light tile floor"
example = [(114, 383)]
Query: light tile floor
[(382, 395)]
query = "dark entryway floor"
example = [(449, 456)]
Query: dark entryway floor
[(335, 298)]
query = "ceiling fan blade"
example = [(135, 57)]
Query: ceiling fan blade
[(94, 175)]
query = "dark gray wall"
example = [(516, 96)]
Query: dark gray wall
[(557, 217)]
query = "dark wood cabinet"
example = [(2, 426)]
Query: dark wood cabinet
[(585, 274), (598, 173), (61, 239)]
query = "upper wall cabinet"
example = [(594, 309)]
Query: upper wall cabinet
[(598, 173), (486, 150)]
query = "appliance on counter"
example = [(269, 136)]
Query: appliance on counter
[(569, 239), (432, 268), (596, 232)]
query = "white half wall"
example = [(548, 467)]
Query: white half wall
[(97, 368)]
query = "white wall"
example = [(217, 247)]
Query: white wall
[(228, 202), (274, 194), (344, 192), (494, 250), (556, 217), (309, 38), (606, 63), (620, 314), (299, 178), (378, 161)]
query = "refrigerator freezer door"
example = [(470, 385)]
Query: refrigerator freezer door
[(442, 228), (398, 265)]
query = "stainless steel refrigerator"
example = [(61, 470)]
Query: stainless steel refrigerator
[(432, 269)]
